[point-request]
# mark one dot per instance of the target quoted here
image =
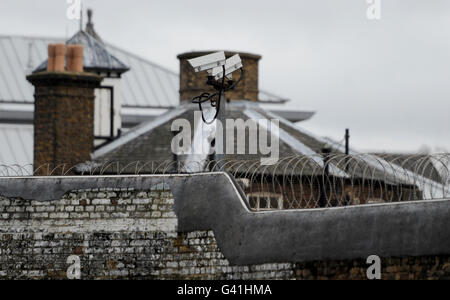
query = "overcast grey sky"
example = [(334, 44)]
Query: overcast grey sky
[(387, 80)]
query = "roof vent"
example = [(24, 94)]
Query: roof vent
[(90, 26)]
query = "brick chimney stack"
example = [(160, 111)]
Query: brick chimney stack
[(193, 84), (63, 110)]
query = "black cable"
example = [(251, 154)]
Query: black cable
[(208, 97), (205, 97), (237, 81)]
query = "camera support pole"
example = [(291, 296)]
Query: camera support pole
[(220, 139)]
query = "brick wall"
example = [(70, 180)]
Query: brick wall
[(133, 234), (63, 118), (392, 268)]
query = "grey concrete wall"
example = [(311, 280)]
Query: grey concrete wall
[(213, 202)]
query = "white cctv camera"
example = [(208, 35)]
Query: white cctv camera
[(231, 64), (208, 62)]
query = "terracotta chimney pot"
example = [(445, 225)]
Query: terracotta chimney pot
[(51, 57), (69, 66), (75, 58), (60, 57)]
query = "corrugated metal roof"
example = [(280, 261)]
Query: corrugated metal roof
[(145, 85), (18, 57), (147, 82), (17, 148)]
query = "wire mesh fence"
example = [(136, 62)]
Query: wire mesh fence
[(297, 181)]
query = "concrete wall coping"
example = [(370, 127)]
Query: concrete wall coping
[(390, 229)]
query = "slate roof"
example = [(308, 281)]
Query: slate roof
[(155, 143), (16, 146), (151, 141)]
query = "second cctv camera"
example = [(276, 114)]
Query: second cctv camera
[(231, 64), (208, 62)]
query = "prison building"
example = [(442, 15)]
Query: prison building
[(143, 88), (117, 116)]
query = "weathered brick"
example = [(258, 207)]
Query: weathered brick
[(101, 202), (59, 215), (123, 249)]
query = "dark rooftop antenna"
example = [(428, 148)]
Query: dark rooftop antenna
[(89, 22), (323, 190), (90, 26), (347, 141), (347, 148)]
